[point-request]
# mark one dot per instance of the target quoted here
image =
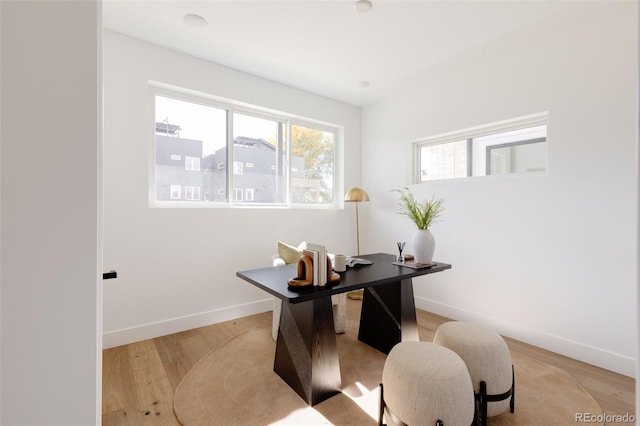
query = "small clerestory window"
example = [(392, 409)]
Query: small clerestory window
[(511, 147)]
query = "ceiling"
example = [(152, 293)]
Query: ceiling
[(325, 47)]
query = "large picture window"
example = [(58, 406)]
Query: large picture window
[(510, 147), (273, 159)]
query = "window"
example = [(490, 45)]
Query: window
[(514, 146), (192, 131), (192, 164), (240, 155), (238, 168), (443, 160), (176, 192), (260, 140), (192, 193), (312, 165)]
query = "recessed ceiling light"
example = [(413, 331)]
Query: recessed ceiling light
[(195, 21), (363, 84), (362, 6)]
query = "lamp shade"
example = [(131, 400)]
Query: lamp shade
[(356, 195)]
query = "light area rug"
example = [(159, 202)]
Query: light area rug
[(235, 385)]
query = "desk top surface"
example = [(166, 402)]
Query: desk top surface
[(274, 279)]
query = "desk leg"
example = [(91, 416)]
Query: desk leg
[(388, 315), (307, 352)]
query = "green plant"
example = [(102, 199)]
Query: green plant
[(423, 214)]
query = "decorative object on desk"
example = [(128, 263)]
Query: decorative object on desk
[(356, 195), (332, 277), (313, 255), (424, 245), (308, 271), (340, 263), (400, 245), (422, 214), (305, 273)]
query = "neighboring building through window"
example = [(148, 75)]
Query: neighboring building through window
[(510, 147), (275, 160)]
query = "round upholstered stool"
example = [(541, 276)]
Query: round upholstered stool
[(489, 362), (425, 384)]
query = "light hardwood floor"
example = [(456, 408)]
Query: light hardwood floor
[(139, 379)]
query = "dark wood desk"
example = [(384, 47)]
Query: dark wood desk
[(306, 351)]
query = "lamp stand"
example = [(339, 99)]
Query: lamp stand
[(357, 294), (357, 231)]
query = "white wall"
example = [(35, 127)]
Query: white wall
[(551, 260), (176, 267), (50, 268)]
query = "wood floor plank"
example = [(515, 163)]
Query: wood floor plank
[(154, 393), (117, 382)]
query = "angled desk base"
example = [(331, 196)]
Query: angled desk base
[(388, 315), (307, 352)]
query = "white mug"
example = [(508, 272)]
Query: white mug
[(340, 263)]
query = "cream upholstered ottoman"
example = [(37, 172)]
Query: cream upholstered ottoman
[(489, 362), (425, 384)]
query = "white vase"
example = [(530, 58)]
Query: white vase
[(423, 246)]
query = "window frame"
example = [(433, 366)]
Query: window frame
[(519, 123), (231, 107)]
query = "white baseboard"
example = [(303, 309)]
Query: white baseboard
[(595, 356), (125, 336)]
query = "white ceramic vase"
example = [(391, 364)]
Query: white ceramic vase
[(424, 246)]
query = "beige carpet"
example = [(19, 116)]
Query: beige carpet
[(235, 385)]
